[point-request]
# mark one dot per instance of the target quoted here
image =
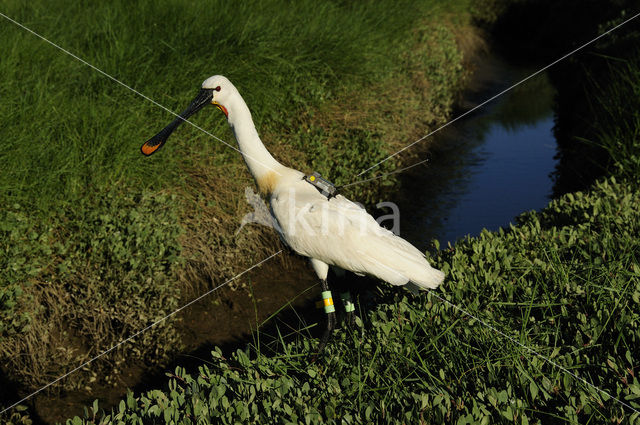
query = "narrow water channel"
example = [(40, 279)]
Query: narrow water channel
[(487, 167)]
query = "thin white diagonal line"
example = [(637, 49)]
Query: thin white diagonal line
[(131, 88), (515, 341), (138, 333), (551, 362), (184, 306), (383, 175), (500, 94)]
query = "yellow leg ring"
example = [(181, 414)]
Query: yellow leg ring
[(328, 302)]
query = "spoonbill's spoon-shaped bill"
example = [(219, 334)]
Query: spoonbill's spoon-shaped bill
[(204, 97)]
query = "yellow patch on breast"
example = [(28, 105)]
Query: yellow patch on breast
[(267, 183)]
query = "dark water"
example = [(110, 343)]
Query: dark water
[(488, 167)]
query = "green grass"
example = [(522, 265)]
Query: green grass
[(94, 237), (617, 107), (68, 129), (99, 269), (564, 282)]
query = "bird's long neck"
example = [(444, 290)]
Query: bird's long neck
[(264, 168)]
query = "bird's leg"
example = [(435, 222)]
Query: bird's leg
[(349, 307), (330, 309)]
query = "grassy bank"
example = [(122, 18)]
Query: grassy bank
[(564, 282), (96, 240)]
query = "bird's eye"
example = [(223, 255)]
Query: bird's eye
[(217, 88)]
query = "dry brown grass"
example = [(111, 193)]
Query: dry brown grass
[(59, 339), (214, 252)]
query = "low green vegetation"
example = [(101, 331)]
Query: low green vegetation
[(564, 282), (97, 241), (86, 280)]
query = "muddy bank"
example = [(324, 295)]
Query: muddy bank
[(227, 318)]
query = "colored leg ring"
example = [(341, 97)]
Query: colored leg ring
[(328, 302), (346, 300)]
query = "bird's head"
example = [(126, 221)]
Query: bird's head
[(222, 91), (216, 90)]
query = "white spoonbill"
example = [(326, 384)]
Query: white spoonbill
[(329, 230)]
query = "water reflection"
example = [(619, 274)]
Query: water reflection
[(487, 168)]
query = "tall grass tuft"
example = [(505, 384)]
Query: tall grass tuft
[(68, 129), (617, 117)]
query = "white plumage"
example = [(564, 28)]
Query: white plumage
[(334, 231), (330, 232), (340, 233)]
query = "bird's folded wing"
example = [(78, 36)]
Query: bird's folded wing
[(340, 232)]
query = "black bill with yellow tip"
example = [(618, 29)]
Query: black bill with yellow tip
[(152, 145)]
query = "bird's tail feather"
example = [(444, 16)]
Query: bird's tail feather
[(399, 263)]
